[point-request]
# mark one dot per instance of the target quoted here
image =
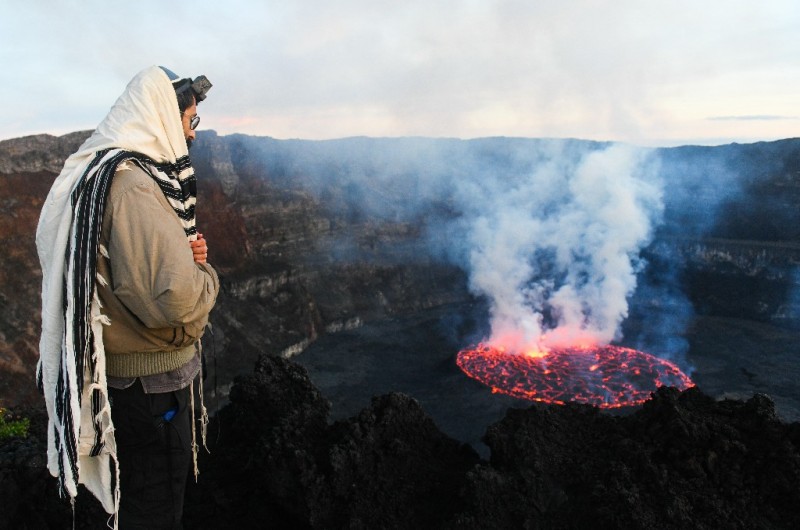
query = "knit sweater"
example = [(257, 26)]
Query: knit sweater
[(156, 297)]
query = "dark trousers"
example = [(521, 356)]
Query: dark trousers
[(154, 454)]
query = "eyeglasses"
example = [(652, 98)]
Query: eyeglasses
[(194, 121)]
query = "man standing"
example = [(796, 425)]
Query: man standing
[(126, 295)]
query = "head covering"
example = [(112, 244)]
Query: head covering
[(143, 127), (199, 86)]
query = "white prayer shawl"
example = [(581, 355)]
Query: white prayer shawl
[(145, 120)]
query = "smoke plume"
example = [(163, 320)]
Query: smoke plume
[(556, 253), (549, 232)]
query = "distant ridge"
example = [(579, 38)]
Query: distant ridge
[(39, 152)]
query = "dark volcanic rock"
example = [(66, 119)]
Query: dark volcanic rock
[(277, 459), (264, 460), (30, 494), (392, 468), (683, 460)]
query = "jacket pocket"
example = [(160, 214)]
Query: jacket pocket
[(187, 335), (177, 337), (192, 333)]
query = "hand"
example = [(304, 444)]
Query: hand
[(199, 249)]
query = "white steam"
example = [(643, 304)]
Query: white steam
[(557, 252)]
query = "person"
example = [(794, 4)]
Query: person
[(126, 295)]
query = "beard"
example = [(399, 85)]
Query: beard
[(189, 142)]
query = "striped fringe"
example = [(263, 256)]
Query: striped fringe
[(203, 416), (82, 355), (179, 185)]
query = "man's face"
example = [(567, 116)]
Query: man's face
[(188, 133)]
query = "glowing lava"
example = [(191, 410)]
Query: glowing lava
[(603, 376)]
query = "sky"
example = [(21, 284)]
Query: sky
[(655, 72)]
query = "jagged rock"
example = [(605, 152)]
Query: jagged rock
[(269, 440), (391, 467), (683, 461), (30, 494), (277, 459)]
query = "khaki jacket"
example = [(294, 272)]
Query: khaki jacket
[(156, 297)]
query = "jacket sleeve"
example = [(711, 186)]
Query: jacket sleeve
[(153, 271)]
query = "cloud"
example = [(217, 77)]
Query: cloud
[(625, 70), (755, 117)]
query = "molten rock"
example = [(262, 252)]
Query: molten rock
[(603, 376)]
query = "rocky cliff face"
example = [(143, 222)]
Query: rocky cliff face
[(311, 238), (314, 237), (28, 167), (731, 228), (38, 153), (292, 267)]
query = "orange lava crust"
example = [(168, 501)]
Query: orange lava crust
[(603, 376)]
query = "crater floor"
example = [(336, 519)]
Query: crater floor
[(731, 358)]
